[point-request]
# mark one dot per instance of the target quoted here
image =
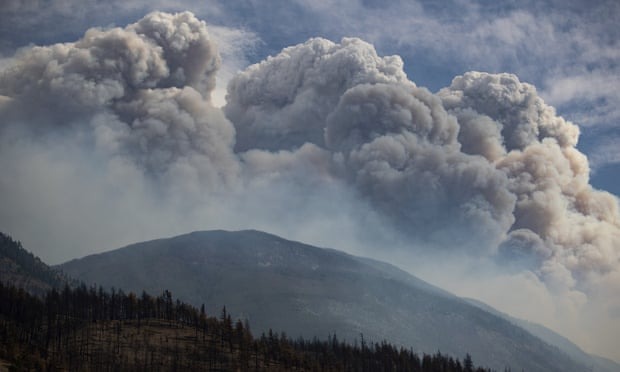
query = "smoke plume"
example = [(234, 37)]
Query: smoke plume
[(142, 91)]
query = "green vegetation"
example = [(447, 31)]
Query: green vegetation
[(89, 329)]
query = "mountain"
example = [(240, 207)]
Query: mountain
[(24, 270), (309, 291)]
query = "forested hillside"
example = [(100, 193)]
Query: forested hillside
[(312, 292), (90, 329), (21, 268)]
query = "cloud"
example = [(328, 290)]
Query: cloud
[(606, 152), (234, 46), (590, 97)]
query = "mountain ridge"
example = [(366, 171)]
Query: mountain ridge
[(322, 291)]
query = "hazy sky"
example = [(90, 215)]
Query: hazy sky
[(467, 133)]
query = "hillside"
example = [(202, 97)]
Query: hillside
[(24, 270), (86, 329), (314, 292)]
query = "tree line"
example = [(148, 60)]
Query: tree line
[(91, 329)]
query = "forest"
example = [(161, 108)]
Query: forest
[(89, 329)]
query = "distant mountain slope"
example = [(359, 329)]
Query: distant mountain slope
[(311, 291), (22, 269), (593, 363)]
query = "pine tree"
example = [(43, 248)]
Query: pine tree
[(468, 364)]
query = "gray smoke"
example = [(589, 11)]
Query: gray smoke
[(398, 147), (283, 102), (144, 91), (159, 51), (548, 176)]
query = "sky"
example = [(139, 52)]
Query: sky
[(471, 143)]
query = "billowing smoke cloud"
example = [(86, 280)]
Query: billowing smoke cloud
[(143, 90), (580, 227), (485, 161), (159, 51), (322, 131), (283, 102), (399, 147), (393, 141)]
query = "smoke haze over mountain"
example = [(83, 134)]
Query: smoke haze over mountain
[(115, 138)]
